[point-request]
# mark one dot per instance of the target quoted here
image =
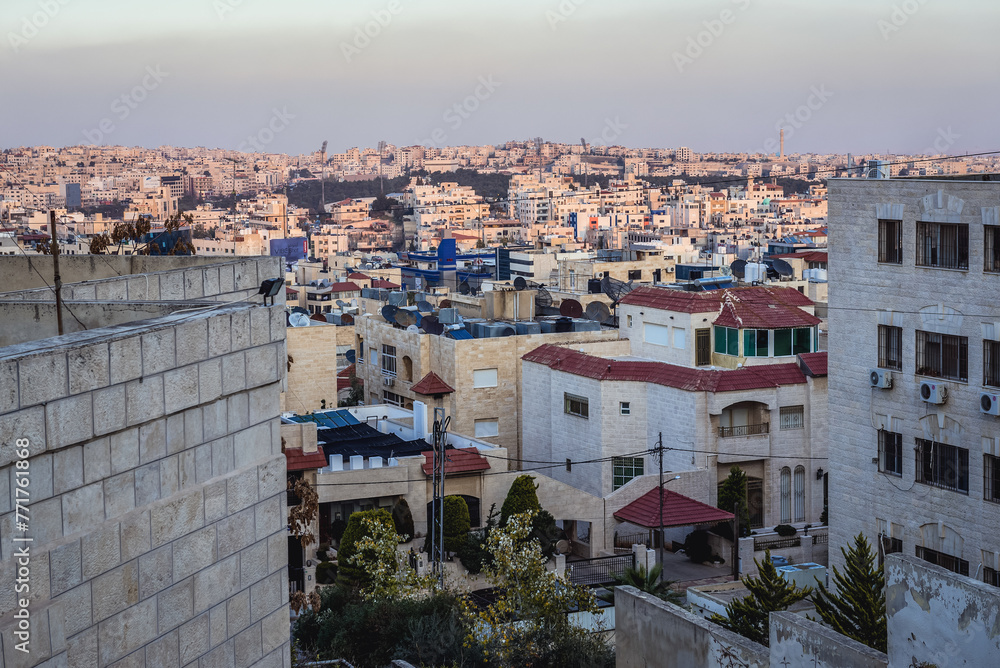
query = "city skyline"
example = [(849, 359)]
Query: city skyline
[(725, 77)]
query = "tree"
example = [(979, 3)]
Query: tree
[(387, 575), (456, 523), (857, 610), (733, 494), (769, 593), (480, 243), (356, 395), (646, 581), (521, 498), (350, 574), (402, 519)]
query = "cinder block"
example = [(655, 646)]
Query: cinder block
[(265, 402), (238, 612), (235, 532), (164, 651), (181, 388), (216, 583), (239, 411), (278, 324), (277, 551), (28, 423), (101, 549), (272, 477), (215, 421), (89, 368), (194, 552), (124, 450), (262, 365), (210, 276), (240, 327), (96, 460), (254, 444), (115, 590), (253, 563), (176, 605), (218, 624), (222, 456), (135, 534), (119, 494), (158, 352), (260, 326), (177, 516), (234, 373), (268, 517), (241, 490), (210, 380), (203, 462), (127, 631), (109, 409), (247, 647), (219, 336), (77, 609), (65, 567), (215, 500), (169, 476), (69, 421), (227, 279), (193, 427), (152, 441), (176, 439), (43, 378), (196, 637), (147, 484), (67, 469), (83, 508), (156, 570), (266, 595), (144, 400), (126, 359)]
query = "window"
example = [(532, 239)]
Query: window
[(991, 249), (727, 341), (890, 452), (658, 335), (628, 319), (487, 428), (800, 494), (392, 398), (755, 342), (954, 564), (484, 378), (635, 275), (942, 356), (791, 417), (991, 478), (747, 418), (943, 465), (782, 342), (803, 339), (625, 469), (578, 406), (943, 245), (786, 495), (702, 347), (890, 347), (991, 576), (625, 408), (890, 241), (388, 360), (889, 546), (991, 363), (680, 338)]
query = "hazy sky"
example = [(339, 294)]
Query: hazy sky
[(716, 75)]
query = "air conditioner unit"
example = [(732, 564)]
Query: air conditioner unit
[(933, 393), (388, 381), (880, 378), (989, 403)]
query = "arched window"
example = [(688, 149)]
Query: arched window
[(786, 495), (800, 494), (407, 369)]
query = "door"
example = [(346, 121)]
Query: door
[(703, 347), (755, 502)]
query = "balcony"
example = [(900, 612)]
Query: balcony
[(745, 430)]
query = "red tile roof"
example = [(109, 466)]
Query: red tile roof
[(681, 301), (753, 315), (296, 460), (358, 277), (346, 286), (385, 285), (678, 511), (432, 384), (344, 378), (810, 256), (464, 460), (755, 377), (813, 364)]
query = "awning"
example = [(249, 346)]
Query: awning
[(678, 511)]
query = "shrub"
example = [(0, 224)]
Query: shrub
[(350, 575), (521, 498), (785, 530), (326, 572), (403, 519), (456, 525)]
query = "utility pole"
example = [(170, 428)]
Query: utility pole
[(659, 449), (55, 270), (736, 541), (437, 549)]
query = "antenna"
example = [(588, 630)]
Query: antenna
[(381, 150), (614, 289), (586, 172), (322, 179)]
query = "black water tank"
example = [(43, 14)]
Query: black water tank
[(594, 286)]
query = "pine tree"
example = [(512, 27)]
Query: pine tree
[(521, 498), (769, 593), (857, 610), (733, 494)]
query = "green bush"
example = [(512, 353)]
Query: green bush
[(521, 497), (326, 572), (785, 530), (403, 519), (456, 525), (350, 575)]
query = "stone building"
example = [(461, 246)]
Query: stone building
[(156, 505), (915, 368)]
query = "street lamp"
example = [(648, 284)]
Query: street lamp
[(676, 477)]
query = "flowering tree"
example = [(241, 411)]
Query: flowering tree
[(388, 575)]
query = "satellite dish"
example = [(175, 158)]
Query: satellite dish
[(431, 325), (343, 304), (444, 303), (412, 328), (299, 320), (615, 289), (738, 268), (782, 267), (424, 306), (351, 356), (299, 309), (318, 317), (464, 288), (726, 271), (571, 308), (520, 283), (347, 319), (598, 311), (389, 313), (405, 318)]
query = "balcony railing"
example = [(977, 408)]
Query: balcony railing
[(745, 430)]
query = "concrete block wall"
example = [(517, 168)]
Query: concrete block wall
[(313, 375), (157, 493), (797, 641)]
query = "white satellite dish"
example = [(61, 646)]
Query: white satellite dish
[(299, 320), (726, 271), (413, 328)]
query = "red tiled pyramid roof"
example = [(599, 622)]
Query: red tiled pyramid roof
[(678, 511), (296, 460), (682, 301), (464, 460), (432, 384), (813, 364)]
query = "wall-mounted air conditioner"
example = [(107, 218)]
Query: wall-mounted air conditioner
[(880, 378), (933, 393), (989, 403)]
